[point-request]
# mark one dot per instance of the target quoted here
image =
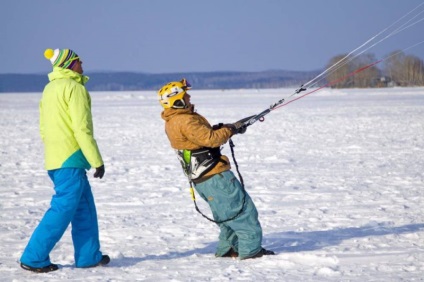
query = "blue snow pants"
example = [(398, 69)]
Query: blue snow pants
[(72, 203), (224, 194)]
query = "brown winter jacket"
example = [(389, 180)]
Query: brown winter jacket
[(190, 131)]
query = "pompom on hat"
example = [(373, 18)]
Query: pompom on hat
[(62, 58)]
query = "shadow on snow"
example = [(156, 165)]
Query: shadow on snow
[(315, 240), (284, 242)]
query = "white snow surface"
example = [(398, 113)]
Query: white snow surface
[(337, 178)]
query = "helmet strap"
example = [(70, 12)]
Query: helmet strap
[(179, 104)]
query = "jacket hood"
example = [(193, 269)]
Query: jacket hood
[(167, 114), (59, 73)]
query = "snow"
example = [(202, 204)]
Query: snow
[(337, 178)]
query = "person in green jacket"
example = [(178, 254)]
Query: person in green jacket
[(66, 129)]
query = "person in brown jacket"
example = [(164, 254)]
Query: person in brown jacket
[(197, 145)]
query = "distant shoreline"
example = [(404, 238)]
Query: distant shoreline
[(131, 81)]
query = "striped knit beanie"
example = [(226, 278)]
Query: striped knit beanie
[(62, 58)]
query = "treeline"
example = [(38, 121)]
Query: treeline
[(398, 69), (130, 81)]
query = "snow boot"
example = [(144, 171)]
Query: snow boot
[(261, 253), (45, 269)]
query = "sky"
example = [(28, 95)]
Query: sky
[(167, 36)]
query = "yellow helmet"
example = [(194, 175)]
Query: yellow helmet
[(171, 95)]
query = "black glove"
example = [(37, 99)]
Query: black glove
[(100, 171), (217, 126), (236, 128)]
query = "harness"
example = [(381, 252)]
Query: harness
[(196, 163)]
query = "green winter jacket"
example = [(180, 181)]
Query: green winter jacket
[(66, 125)]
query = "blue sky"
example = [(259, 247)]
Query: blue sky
[(158, 36)]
